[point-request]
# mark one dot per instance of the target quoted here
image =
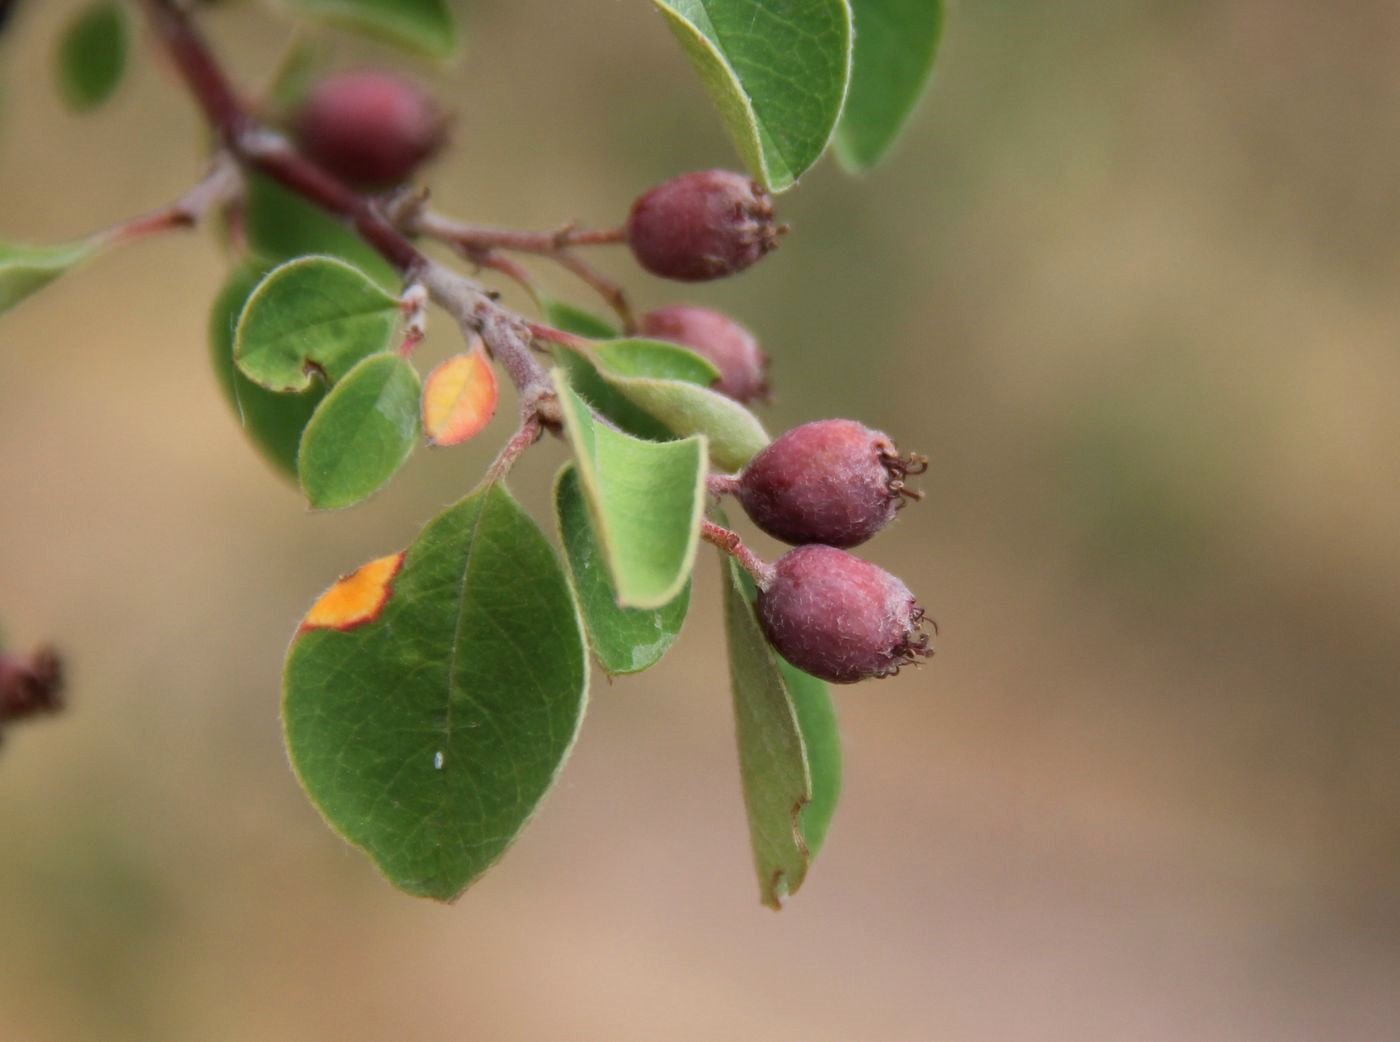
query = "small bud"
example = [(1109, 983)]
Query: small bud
[(743, 367), (369, 128), (835, 482), (840, 618), (702, 226)]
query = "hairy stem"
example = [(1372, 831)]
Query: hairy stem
[(722, 484), (729, 541)]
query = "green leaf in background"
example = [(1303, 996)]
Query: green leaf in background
[(283, 226), (734, 433), (427, 725), (92, 54), (361, 434), (624, 640), (563, 315), (777, 70), (273, 421), (28, 269), (646, 499), (896, 41), (312, 313), (789, 748), (428, 26)]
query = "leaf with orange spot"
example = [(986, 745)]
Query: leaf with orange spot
[(356, 598), (459, 398), (429, 735)]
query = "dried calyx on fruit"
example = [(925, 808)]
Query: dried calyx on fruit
[(703, 225), (733, 349), (370, 128), (831, 481), (840, 618)]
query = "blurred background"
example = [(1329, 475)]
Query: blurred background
[(1131, 281)]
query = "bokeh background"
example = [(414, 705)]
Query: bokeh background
[(1131, 281)]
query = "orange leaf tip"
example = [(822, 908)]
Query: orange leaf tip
[(357, 598), (459, 398)]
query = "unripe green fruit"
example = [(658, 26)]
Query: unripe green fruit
[(840, 618), (734, 351), (835, 482), (703, 225), (371, 129)]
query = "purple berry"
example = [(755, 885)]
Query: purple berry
[(743, 367), (704, 225), (835, 482), (369, 128), (840, 618)]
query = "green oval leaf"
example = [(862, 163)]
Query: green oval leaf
[(274, 422), (777, 70), (428, 26), (428, 734), (896, 42), (361, 434), (789, 748), (27, 269), (312, 314), (624, 640), (646, 500), (92, 55), (281, 225)]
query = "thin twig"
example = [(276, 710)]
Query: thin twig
[(555, 245), (557, 336), (529, 433), (219, 186)]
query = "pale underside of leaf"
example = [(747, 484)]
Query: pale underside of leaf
[(623, 640), (646, 500)]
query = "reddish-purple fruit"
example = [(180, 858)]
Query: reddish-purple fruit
[(702, 226), (369, 128), (734, 351), (840, 618), (832, 481)]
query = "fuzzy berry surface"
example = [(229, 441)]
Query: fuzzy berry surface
[(369, 128), (731, 347), (701, 226), (840, 618), (830, 481)]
